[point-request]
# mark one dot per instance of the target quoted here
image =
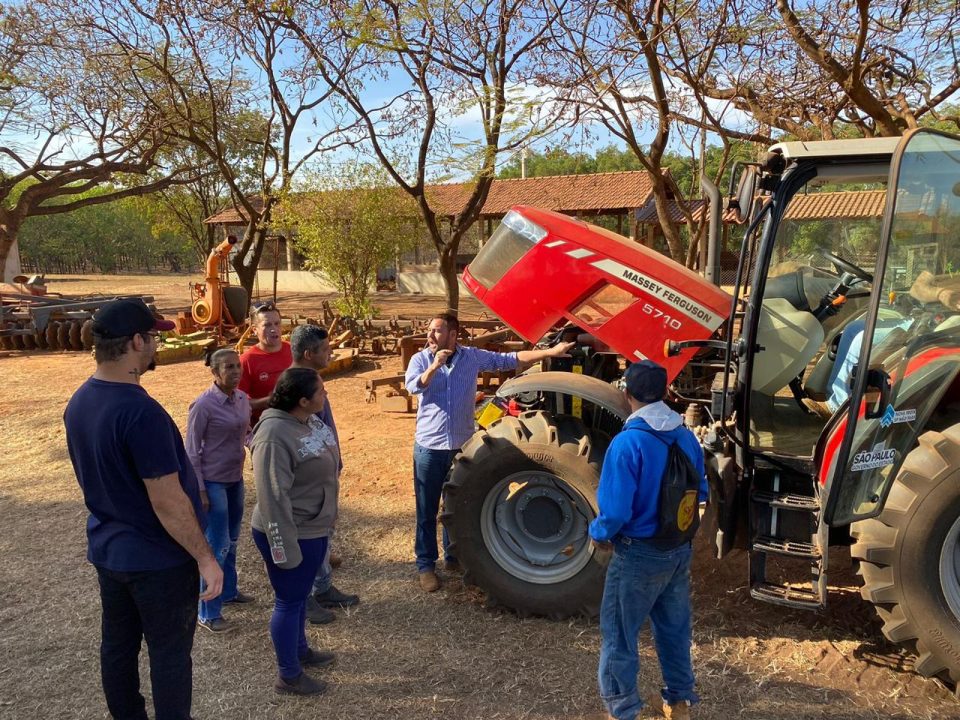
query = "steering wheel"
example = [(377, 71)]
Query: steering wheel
[(845, 266)]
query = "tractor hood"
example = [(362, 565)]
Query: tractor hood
[(541, 268)]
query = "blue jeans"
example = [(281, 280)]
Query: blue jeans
[(324, 579), (291, 589), (223, 531), (430, 468), (159, 606), (643, 582)]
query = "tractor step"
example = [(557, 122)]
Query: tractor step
[(801, 598), (781, 546), (787, 501)]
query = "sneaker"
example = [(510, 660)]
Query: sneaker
[(240, 598), (302, 685), (317, 658), (333, 598), (429, 582), (318, 615), (452, 565), (216, 625)]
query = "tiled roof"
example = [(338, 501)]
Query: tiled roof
[(233, 216), (598, 192), (564, 193), (855, 204), (809, 206)]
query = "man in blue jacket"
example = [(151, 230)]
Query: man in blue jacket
[(646, 577)]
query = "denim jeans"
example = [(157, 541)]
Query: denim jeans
[(159, 606), (223, 531), (643, 582), (430, 468), (324, 579), (291, 589)]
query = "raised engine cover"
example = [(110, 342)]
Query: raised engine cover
[(540, 268)]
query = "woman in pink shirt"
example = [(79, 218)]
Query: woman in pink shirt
[(217, 426)]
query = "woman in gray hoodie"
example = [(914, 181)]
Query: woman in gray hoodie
[(295, 460)]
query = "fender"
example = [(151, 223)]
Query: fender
[(588, 388)]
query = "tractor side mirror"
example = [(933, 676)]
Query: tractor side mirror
[(742, 202)]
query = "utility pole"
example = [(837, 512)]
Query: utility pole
[(523, 162)]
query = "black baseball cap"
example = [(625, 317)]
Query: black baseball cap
[(126, 318), (646, 381)]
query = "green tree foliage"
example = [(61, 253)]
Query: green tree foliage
[(103, 237), (351, 221)]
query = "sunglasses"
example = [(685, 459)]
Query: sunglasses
[(266, 306)]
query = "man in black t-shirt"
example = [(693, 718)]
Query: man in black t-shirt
[(145, 528)]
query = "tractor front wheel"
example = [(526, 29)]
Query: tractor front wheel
[(909, 556), (518, 504)]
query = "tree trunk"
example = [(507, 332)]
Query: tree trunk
[(448, 270), (9, 227), (251, 248)]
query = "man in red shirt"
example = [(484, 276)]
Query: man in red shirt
[(263, 363)]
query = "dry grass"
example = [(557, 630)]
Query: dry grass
[(402, 654)]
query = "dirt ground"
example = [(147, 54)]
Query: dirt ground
[(401, 654)]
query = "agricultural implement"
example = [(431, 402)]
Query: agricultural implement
[(29, 322)]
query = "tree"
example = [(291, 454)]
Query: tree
[(605, 60), (433, 62), (348, 222), (69, 121), (552, 161), (182, 209), (202, 64), (107, 237), (819, 70)]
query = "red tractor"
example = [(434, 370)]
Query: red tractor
[(825, 391)]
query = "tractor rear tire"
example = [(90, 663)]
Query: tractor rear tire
[(909, 556), (517, 505)]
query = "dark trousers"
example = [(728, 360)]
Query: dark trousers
[(159, 606), (291, 589)]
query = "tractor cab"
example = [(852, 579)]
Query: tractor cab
[(850, 342)]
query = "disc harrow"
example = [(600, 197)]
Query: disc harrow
[(30, 323)]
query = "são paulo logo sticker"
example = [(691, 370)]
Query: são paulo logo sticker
[(880, 456)]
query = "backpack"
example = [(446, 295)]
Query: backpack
[(678, 518)]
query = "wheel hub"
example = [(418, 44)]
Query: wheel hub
[(950, 568), (545, 516), (534, 524)]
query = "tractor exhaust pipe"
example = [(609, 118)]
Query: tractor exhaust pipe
[(712, 270)]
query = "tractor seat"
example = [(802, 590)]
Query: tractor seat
[(789, 339)]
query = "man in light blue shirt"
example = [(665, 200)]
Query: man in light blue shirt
[(444, 375)]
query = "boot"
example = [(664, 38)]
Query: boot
[(429, 582)]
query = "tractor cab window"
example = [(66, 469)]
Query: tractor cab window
[(509, 242), (818, 286)]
